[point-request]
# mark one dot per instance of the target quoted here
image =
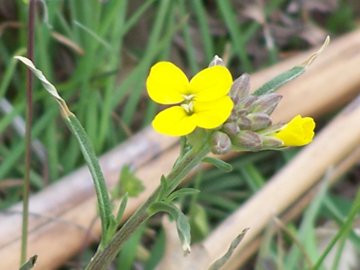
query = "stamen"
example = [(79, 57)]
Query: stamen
[(188, 97), (188, 107)]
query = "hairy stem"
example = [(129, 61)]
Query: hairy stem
[(103, 258)]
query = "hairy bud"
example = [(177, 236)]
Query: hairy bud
[(259, 121), (240, 88), (231, 128), (220, 143), (271, 143), (244, 123), (266, 103), (245, 103), (216, 61), (248, 140)]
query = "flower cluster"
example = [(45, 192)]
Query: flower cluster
[(212, 101)]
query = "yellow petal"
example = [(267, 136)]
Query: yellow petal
[(213, 114), (174, 122), (166, 83), (299, 131), (211, 83)]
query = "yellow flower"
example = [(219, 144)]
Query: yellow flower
[(299, 131), (201, 102)]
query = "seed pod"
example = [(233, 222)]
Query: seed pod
[(220, 143)]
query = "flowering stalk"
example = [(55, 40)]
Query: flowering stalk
[(183, 167)]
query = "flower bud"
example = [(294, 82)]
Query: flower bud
[(271, 142), (266, 103), (245, 103), (299, 131), (248, 140), (220, 143), (216, 61), (240, 88), (259, 121), (244, 123), (231, 128)]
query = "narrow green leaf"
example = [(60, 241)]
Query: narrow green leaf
[(218, 163), (183, 228), (157, 207), (280, 80), (122, 207), (29, 264), (182, 223), (105, 208), (291, 74), (182, 192), (38, 73), (220, 262)]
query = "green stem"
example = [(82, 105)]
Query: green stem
[(29, 113), (190, 160), (102, 195)]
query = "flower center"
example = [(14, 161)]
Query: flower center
[(188, 104), (188, 107)]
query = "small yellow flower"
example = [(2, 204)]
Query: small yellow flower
[(299, 131), (201, 102)]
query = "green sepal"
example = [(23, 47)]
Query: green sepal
[(29, 264), (218, 163), (280, 80)]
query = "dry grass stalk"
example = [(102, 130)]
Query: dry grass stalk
[(296, 209)]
